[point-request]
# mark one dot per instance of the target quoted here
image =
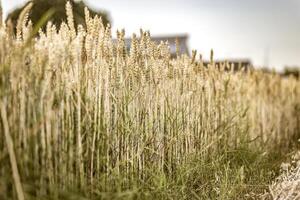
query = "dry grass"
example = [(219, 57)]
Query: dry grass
[(287, 185), (86, 115)]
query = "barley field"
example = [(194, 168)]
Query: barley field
[(84, 118)]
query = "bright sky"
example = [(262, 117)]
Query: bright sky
[(266, 31)]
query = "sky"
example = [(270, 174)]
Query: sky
[(265, 31)]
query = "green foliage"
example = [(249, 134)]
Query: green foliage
[(240, 173), (40, 7), (292, 71)]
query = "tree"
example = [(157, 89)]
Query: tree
[(40, 7)]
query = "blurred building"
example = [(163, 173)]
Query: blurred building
[(171, 39), (182, 40), (235, 64)]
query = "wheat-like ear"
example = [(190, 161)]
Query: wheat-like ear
[(70, 19), (87, 19), (194, 53), (23, 18)]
